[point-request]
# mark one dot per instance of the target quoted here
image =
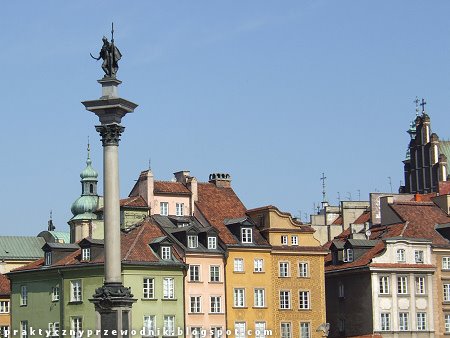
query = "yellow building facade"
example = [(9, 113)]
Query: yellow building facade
[(297, 279)]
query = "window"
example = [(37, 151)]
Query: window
[(286, 330), (258, 265), (418, 256), (420, 285), (238, 265), (246, 235), (75, 291), (239, 297), (196, 332), (86, 254), (54, 329), (341, 291), (164, 208), (403, 321), (149, 288), (260, 329), (149, 325), (168, 288), (55, 293), (4, 306), (401, 255), (348, 255), (239, 330), (341, 325), (303, 300), (303, 269), (166, 253), (192, 242), (285, 299), (179, 209), (445, 263), (194, 273), (24, 328), (23, 296), (284, 240), (215, 304), (384, 285), (195, 305), (259, 298), (169, 326), (421, 321), (4, 331), (447, 323), (446, 292), (214, 273), (284, 269), (48, 258), (305, 330), (402, 285), (216, 332), (294, 240), (76, 325), (385, 321), (212, 242)]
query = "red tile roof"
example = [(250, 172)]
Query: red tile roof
[(218, 204), (133, 202), (365, 217), (134, 249), (337, 221), (5, 289), (165, 187)]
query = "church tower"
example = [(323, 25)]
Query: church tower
[(84, 207)]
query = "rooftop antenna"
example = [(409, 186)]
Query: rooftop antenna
[(359, 195), (314, 207), (416, 101), (349, 197), (323, 178), (423, 105), (318, 209), (306, 217), (339, 197), (51, 227), (390, 182), (150, 163)]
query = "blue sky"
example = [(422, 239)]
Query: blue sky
[(272, 92)]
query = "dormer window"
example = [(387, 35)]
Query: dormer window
[(348, 255), (246, 235), (192, 242), (212, 242), (48, 258), (179, 209), (284, 240), (166, 253), (182, 225), (86, 254), (294, 240), (400, 255)]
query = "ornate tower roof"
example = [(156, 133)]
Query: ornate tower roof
[(88, 174)]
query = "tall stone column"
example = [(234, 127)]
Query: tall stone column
[(112, 301)]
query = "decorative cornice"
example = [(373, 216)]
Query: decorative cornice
[(110, 133)]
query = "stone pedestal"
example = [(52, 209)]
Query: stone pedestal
[(112, 301)]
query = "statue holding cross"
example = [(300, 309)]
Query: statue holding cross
[(110, 55)]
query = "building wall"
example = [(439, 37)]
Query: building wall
[(441, 277), (5, 317), (129, 217), (205, 288), (354, 308), (249, 280), (172, 200), (314, 284)]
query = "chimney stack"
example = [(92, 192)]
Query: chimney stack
[(182, 176), (220, 180)]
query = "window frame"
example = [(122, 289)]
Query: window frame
[(384, 285), (284, 272), (238, 265), (246, 235), (215, 304), (402, 285), (294, 240), (4, 306), (55, 293), (148, 288), (385, 321), (149, 330), (23, 295), (195, 304), (303, 269), (212, 242), (213, 275), (179, 209), (421, 321), (76, 291), (259, 297), (164, 208), (401, 257), (86, 254), (193, 270), (304, 303), (168, 288), (166, 252), (258, 265), (424, 286), (403, 323), (239, 297), (192, 241), (285, 300)]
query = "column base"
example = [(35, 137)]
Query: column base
[(113, 304)]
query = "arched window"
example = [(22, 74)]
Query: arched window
[(91, 188)]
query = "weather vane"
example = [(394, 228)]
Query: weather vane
[(110, 55)]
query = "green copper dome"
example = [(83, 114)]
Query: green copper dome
[(88, 174), (85, 204)]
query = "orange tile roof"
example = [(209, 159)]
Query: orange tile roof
[(5, 289), (365, 217), (166, 187), (337, 221), (218, 204), (133, 202)]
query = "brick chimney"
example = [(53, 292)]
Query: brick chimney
[(220, 180), (182, 176)]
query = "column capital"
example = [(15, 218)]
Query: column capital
[(110, 133)]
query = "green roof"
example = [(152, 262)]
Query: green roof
[(21, 247), (444, 148), (61, 236)]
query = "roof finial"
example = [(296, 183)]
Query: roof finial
[(150, 164), (324, 197), (416, 101), (423, 105), (88, 161), (51, 227)]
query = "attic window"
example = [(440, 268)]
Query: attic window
[(212, 242), (246, 235), (182, 225), (348, 255), (86, 254), (48, 258), (192, 242), (166, 253), (418, 255)]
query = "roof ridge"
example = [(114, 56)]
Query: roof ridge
[(404, 228), (134, 242)]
